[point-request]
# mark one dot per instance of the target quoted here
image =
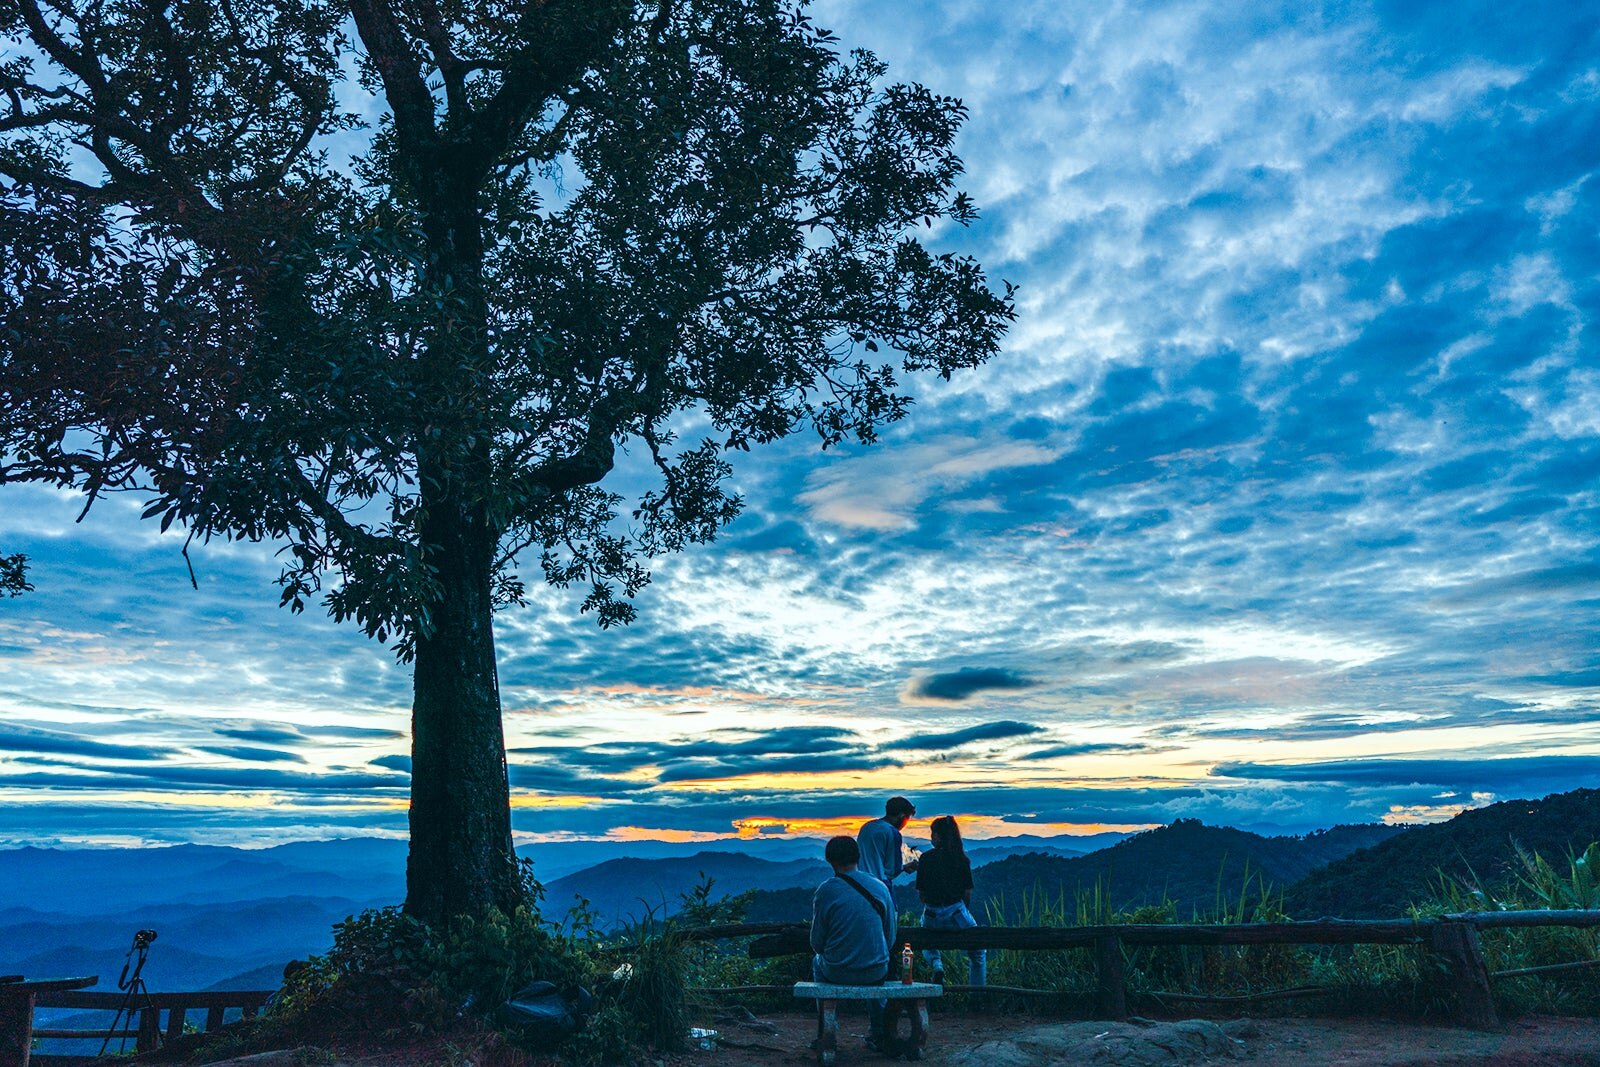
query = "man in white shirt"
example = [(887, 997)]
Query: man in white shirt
[(880, 842)]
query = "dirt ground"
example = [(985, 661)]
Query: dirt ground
[(961, 1040), (1021, 1041)]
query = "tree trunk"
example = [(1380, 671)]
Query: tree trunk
[(461, 859)]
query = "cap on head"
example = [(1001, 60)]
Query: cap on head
[(842, 851), (898, 806)]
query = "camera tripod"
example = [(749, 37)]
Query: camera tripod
[(135, 995)]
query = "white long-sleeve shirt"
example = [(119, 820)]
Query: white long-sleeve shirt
[(879, 841)]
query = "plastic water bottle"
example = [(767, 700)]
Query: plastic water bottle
[(905, 964)]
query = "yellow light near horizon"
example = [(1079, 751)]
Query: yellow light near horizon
[(973, 827), (549, 800), (1417, 814), (676, 837)]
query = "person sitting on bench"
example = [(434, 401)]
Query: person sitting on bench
[(852, 927)]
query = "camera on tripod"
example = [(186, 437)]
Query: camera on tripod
[(135, 994)]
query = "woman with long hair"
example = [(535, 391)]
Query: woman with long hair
[(944, 881)]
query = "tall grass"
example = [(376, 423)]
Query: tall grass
[(1537, 884), (1178, 968)]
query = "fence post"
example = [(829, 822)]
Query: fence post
[(149, 1037), (1111, 1000), (177, 1015), (16, 1027), (1457, 943)]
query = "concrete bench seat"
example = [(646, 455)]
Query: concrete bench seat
[(904, 999)]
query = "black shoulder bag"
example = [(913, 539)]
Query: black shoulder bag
[(877, 905), (883, 917)]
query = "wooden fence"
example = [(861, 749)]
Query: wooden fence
[(1454, 938), (142, 1026)]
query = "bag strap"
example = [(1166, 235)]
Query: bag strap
[(877, 905)]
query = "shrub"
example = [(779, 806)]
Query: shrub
[(653, 994)]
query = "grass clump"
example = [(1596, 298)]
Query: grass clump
[(1572, 884)]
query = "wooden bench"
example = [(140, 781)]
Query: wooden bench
[(911, 1000), (17, 999)]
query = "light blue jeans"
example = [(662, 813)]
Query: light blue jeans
[(956, 917)]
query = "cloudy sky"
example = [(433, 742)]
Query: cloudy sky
[(1280, 508)]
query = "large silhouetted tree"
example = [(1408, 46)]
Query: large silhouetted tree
[(682, 228)]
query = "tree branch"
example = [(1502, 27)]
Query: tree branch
[(83, 64), (568, 36), (451, 69), (403, 84), (26, 175), (335, 521)]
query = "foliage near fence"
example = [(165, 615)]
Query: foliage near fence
[(1399, 979)]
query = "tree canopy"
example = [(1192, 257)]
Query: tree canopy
[(14, 575), (410, 347)]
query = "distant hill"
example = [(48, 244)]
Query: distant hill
[(1183, 861), (625, 890), (782, 905), (96, 881), (222, 912), (1187, 862), (990, 849), (231, 930), (1385, 879), (197, 947)]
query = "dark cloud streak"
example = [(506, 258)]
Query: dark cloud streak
[(967, 682)]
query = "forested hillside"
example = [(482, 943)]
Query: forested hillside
[(1476, 845), (1197, 867), (1187, 862)]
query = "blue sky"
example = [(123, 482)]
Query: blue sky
[(1280, 508)]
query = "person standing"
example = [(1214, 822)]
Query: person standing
[(882, 848), (944, 882)]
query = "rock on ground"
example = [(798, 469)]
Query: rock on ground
[(1130, 1044), (296, 1057)]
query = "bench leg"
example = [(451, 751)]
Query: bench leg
[(919, 1030), (914, 1045), (827, 1031)]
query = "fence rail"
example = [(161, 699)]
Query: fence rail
[(144, 1025), (1453, 938)]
